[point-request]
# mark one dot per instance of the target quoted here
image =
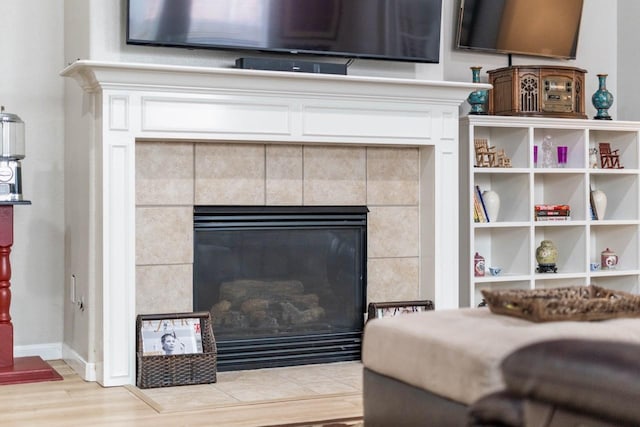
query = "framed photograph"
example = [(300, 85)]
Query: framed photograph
[(397, 308), (171, 334)]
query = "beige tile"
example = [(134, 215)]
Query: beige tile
[(229, 174), (284, 174), (164, 235), (164, 289), (330, 386), (287, 382), (257, 385), (190, 396), (393, 279), (164, 173), (334, 176), (392, 176), (392, 231)]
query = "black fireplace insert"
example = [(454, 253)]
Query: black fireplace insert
[(285, 285)]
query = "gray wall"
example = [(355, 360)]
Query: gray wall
[(32, 55)]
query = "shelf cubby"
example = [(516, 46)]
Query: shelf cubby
[(570, 242), (510, 187), (623, 239), (624, 141), (514, 142), (505, 247), (622, 194), (559, 189), (496, 285), (573, 139), (621, 283)]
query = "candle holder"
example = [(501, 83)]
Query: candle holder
[(562, 156)]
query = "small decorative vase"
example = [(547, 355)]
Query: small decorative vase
[(546, 256), (599, 199), (608, 259), (491, 201), (478, 265), (477, 98), (602, 99)]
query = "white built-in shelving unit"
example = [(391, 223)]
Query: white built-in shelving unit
[(511, 240)]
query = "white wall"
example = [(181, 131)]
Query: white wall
[(32, 55), (628, 39)]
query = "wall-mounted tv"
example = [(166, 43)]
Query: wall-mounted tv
[(401, 30), (545, 28)]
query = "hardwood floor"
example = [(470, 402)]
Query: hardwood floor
[(74, 402)]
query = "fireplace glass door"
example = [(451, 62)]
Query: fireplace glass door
[(284, 285)]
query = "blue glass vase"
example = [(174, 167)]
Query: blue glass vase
[(602, 99), (477, 98)]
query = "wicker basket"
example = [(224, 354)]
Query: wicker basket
[(180, 369), (570, 303)]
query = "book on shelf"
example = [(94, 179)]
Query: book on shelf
[(484, 217), (547, 212), (478, 211), (544, 207), (553, 218), (553, 213)]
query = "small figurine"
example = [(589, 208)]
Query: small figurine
[(593, 156)]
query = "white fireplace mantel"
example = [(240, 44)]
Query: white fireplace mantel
[(129, 102)]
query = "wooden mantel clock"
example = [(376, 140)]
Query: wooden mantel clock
[(21, 369), (545, 91)]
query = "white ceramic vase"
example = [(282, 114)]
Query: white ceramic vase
[(599, 203), (492, 204)]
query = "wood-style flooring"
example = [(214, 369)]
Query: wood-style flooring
[(74, 402)]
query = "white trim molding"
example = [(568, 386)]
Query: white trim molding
[(133, 102)]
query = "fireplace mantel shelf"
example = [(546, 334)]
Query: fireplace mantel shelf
[(139, 102), (96, 75)]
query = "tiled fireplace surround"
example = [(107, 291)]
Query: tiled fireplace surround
[(173, 176), (167, 138)]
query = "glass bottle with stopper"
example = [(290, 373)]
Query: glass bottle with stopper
[(548, 155)]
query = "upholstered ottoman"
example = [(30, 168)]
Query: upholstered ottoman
[(426, 368)]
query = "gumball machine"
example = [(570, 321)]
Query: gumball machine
[(12, 146)]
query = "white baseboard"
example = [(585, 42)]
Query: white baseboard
[(80, 366), (48, 351)]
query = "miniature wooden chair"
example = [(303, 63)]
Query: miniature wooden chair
[(485, 155), (609, 159), (503, 161)]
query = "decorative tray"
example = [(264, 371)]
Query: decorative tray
[(570, 303)]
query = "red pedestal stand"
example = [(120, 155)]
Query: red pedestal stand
[(21, 369)]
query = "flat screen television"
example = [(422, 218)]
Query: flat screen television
[(401, 30), (545, 28)]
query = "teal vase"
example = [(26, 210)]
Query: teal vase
[(602, 99), (477, 98)]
